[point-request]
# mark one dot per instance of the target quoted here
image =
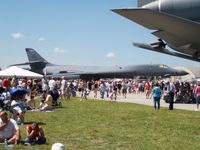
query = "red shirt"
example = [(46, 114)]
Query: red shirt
[(30, 130), (148, 86), (6, 83)]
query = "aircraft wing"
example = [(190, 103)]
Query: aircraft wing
[(27, 63), (174, 30)]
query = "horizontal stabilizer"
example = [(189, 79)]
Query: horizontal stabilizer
[(165, 51)]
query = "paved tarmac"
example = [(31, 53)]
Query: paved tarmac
[(141, 99)]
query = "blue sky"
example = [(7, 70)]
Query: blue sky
[(75, 32)]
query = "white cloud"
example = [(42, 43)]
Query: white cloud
[(110, 55), (41, 39), (60, 50), (17, 35)]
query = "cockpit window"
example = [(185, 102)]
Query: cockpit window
[(163, 66)]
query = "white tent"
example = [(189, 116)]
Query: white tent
[(19, 72)]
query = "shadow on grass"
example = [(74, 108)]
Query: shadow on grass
[(40, 123)]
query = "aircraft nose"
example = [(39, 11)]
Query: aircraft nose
[(182, 73)]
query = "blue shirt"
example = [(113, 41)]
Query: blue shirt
[(170, 87), (156, 91)]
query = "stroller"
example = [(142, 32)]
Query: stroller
[(55, 94), (18, 104)]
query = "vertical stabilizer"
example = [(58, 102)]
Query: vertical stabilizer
[(144, 2), (34, 56), (37, 62)]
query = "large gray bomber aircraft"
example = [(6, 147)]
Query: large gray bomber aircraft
[(176, 23), (39, 65)]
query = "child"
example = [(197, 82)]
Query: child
[(42, 99), (84, 94), (68, 93), (111, 95)]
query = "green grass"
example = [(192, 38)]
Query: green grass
[(103, 125)]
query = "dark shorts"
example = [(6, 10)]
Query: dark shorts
[(124, 90)]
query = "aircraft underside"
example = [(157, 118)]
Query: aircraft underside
[(175, 24)]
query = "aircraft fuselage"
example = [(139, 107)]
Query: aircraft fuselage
[(97, 72), (189, 9)]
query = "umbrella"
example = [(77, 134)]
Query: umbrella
[(18, 91)]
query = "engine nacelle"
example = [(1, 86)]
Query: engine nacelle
[(157, 43)]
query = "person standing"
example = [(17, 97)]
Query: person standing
[(96, 86), (156, 92), (63, 88), (124, 89), (6, 84), (147, 90), (102, 89), (170, 91), (197, 92), (45, 85), (52, 83)]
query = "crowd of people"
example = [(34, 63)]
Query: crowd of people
[(18, 95), (184, 92)]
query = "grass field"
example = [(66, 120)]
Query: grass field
[(103, 125)]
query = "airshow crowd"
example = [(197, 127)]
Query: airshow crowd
[(17, 95)]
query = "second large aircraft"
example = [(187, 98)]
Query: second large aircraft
[(39, 65)]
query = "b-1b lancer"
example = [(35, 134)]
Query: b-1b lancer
[(176, 23), (39, 65)]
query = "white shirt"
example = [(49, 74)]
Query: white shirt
[(63, 84), (52, 84), (10, 129), (20, 83)]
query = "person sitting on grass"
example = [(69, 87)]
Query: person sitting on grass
[(31, 103), (48, 102), (9, 129), (35, 134), (42, 99)]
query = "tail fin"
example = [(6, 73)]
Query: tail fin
[(33, 56), (144, 2), (36, 62)]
